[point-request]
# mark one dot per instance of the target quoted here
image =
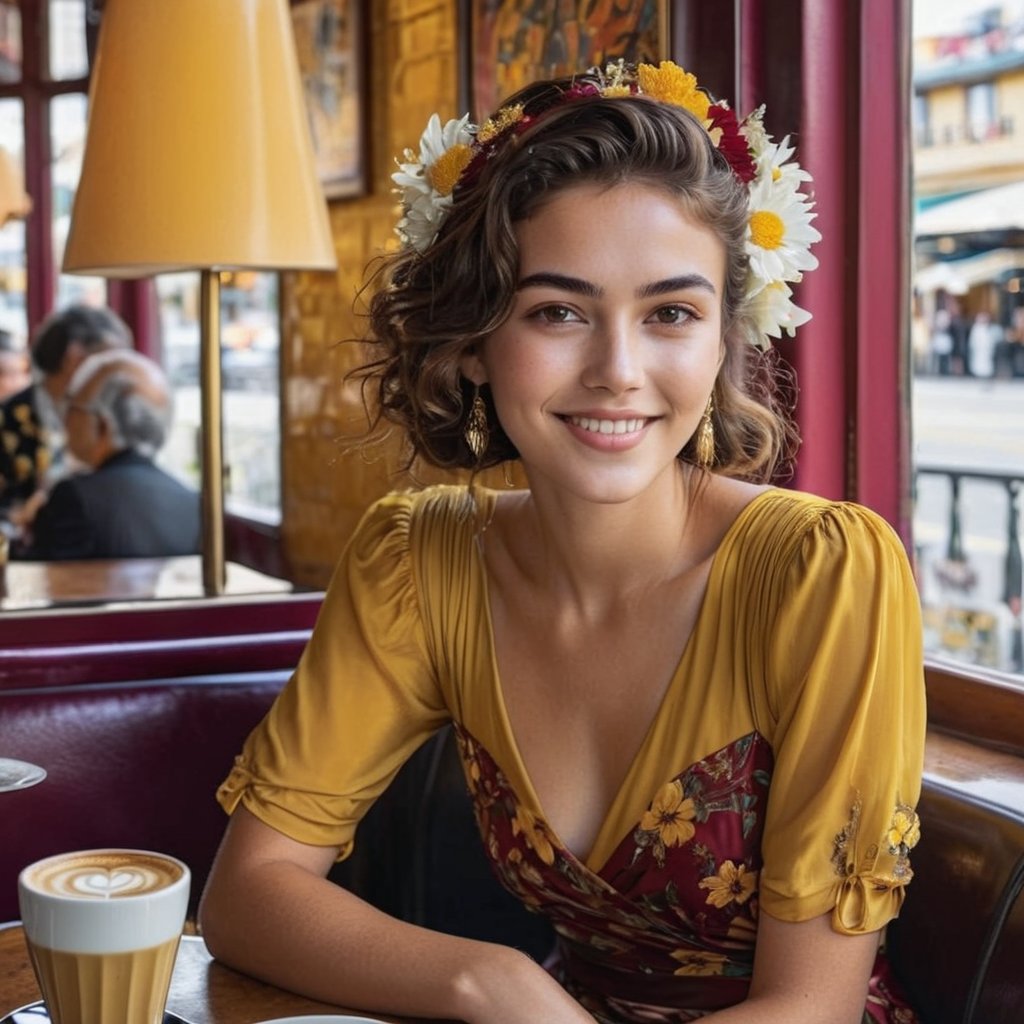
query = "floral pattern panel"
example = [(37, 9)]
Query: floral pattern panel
[(664, 931)]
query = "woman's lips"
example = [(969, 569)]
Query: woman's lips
[(606, 433)]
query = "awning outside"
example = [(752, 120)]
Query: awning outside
[(993, 209), (958, 276)]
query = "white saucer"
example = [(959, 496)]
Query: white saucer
[(19, 774), (324, 1019)]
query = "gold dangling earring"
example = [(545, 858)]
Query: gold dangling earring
[(706, 439), (477, 433)]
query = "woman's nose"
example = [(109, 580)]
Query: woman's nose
[(614, 360)]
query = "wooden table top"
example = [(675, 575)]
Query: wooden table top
[(202, 990), (41, 584)]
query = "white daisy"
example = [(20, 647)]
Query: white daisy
[(424, 203), (772, 163), (779, 232), (773, 311)]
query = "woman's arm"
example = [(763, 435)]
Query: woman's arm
[(805, 973), (269, 911)]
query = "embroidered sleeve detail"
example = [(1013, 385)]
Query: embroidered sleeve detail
[(844, 842), (904, 833)]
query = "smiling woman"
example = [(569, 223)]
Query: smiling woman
[(629, 305), (689, 706)]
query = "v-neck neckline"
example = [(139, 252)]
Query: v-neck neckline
[(605, 843)]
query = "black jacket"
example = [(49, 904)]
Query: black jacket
[(127, 508)]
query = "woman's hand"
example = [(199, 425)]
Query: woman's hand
[(507, 987), (269, 911)]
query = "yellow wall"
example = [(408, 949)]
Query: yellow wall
[(413, 62)]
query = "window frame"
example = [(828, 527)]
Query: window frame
[(36, 91), (134, 300), (840, 73)]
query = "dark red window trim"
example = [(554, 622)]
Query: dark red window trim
[(134, 300)]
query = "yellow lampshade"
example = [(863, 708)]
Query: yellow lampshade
[(14, 201), (198, 152)]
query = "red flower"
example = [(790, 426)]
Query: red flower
[(731, 143)]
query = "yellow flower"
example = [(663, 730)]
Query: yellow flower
[(696, 963), (731, 883), (669, 83), (444, 173), (767, 229), (534, 832), (504, 118), (670, 815), (611, 92), (905, 830)]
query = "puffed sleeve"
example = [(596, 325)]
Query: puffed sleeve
[(845, 688), (363, 697)]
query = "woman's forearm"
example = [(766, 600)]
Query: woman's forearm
[(280, 922)]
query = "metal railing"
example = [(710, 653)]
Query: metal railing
[(957, 566), (969, 131)]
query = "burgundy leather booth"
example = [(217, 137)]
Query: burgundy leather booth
[(128, 764)]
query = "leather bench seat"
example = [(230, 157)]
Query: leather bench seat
[(136, 763), (958, 944)]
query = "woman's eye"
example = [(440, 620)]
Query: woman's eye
[(672, 315), (556, 314)]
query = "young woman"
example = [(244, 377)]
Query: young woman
[(689, 705)]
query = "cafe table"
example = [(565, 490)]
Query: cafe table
[(203, 991), (26, 585)]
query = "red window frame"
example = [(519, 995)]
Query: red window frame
[(133, 300), (836, 74)]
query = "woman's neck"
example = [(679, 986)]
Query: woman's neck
[(595, 555)]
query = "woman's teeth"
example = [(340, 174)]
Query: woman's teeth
[(607, 426)]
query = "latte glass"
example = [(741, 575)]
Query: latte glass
[(103, 928)]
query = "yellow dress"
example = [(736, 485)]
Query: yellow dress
[(781, 770)]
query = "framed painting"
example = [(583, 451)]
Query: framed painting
[(511, 43), (329, 42)]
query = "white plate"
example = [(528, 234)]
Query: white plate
[(19, 774), (322, 1019)]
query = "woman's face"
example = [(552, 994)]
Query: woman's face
[(603, 369)]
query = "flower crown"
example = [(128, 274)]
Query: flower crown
[(779, 232)]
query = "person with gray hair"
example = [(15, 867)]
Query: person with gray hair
[(117, 417), (32, 450)]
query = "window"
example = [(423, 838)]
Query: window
[(44, 67), (250, 377), (981, 111), (43, 86), (968, 333), (922, 121)]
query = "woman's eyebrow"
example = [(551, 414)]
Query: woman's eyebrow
[(676, 284), (578, 286), (562, 281)]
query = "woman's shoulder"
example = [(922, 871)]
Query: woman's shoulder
[(789, 527), (438, 504), (428, 527)]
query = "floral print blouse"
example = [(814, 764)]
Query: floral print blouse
[(780, 773)]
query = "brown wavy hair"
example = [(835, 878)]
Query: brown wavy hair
[(431, 308)]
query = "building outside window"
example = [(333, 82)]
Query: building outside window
[(968, 328)]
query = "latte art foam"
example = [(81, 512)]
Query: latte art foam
[(104, 876)]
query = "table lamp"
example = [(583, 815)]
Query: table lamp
[(198, 157), (14, 201)]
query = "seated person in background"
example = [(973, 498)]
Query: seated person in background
[(13, 367), (31, 431), (117, 416)]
